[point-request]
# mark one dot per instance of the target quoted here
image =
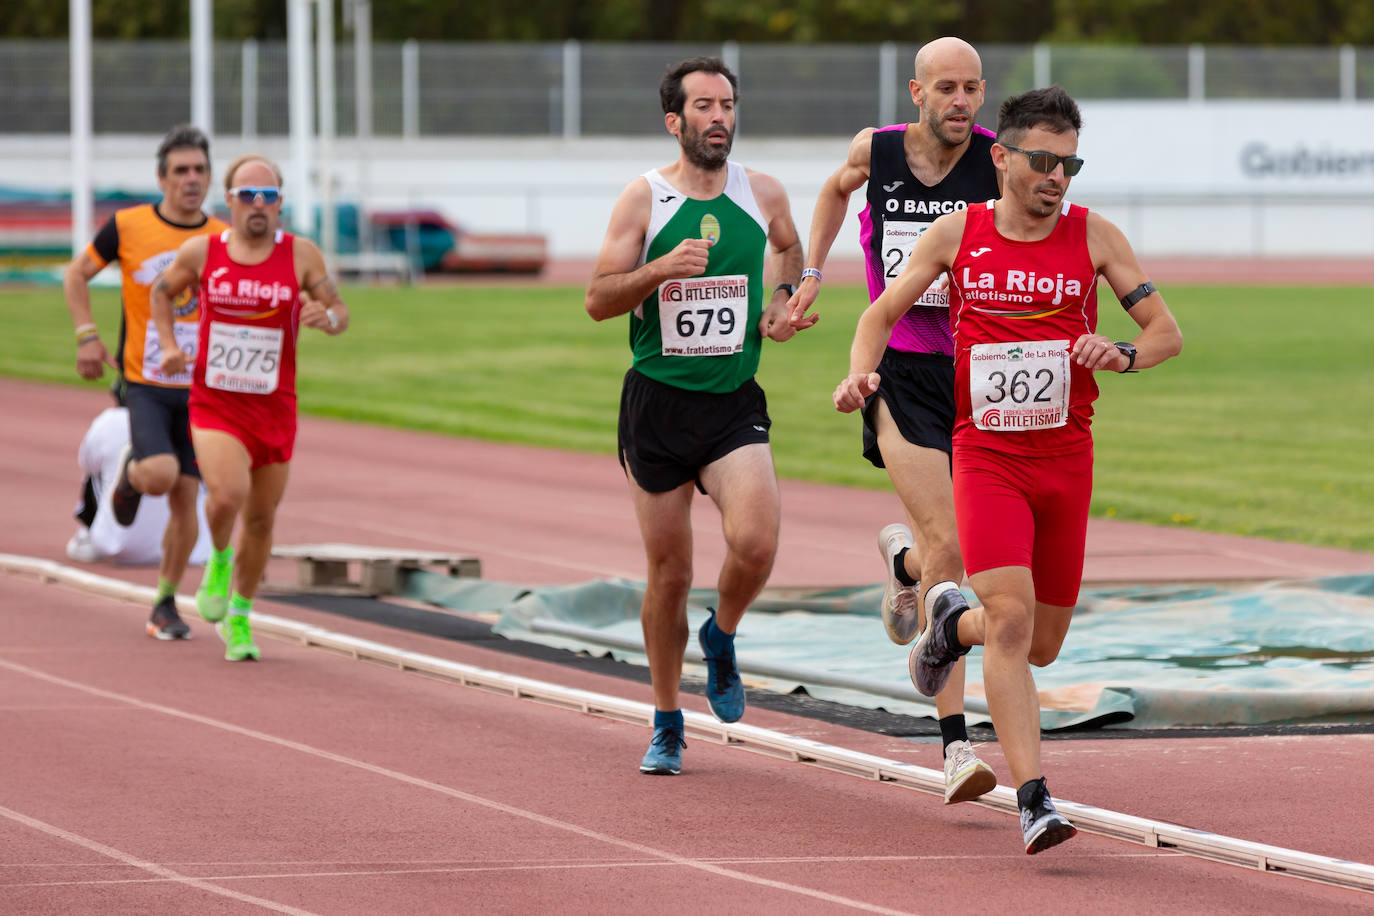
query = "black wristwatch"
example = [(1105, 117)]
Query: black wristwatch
[(791, 290), (1127, 350)]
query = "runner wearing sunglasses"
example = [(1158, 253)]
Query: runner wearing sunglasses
[(1023, 274), (258, 285), (914, 173), (159, 459)]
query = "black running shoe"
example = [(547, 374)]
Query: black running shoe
[(166, 623), (932, 658), (125, 499)]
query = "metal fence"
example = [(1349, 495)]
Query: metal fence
[(572, 89)]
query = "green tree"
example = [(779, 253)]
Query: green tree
[(1279, 22)]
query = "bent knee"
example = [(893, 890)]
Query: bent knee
[(1042, 657), (157, 478), (756, 551)]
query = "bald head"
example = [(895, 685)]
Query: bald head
[(947, 55), (948, 91)]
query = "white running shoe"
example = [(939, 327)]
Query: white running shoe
[(966, 777), (901, 603), (80, 548)]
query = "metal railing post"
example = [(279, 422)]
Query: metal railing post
[(572, 89), (887, 83)]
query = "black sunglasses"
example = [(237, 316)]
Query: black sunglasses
[(1042, 161)]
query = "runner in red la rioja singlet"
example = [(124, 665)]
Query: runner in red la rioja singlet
[(1022, 277), (258, 286)]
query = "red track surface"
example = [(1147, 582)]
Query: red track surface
[(138, 776)]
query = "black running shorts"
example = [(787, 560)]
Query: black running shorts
[(668, 434), (160, 425), (918, 389)]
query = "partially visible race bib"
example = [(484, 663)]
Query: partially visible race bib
[(1021, 386), (703, 316), (185, 333), (899, 238), (242, 358)]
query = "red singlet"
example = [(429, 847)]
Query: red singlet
[(245, 374)]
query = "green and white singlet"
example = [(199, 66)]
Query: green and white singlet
[(701, 333)]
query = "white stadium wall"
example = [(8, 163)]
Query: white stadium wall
[(1213, 178)]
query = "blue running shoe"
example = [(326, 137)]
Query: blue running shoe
[(724, 690), (664, 757), (932, 658)]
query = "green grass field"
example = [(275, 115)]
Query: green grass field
[(1262, 427)]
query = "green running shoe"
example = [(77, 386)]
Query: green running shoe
[(212, 598), (238, 639)]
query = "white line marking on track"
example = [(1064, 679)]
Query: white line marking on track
[(164, 873), (685, 861), (542, 867)]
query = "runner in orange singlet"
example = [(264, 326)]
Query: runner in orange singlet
[(252, 278), (159, 459), (1023, 309)]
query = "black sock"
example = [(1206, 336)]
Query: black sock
[(899, 568), (952, 631), (85, 513), (1032, 794), (953, 728)]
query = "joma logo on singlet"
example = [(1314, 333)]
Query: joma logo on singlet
[(251, 289), (926, 207), (1021, 281)]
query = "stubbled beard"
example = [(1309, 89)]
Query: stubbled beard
[(249, 227), (1039, 207), (701, 153), (937, 126)]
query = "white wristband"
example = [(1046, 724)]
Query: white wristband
[(811, 272)]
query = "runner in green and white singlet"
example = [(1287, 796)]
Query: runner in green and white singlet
[(685, 256), (701, 333)]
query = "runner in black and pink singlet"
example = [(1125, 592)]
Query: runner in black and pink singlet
[(914, 174), (1023, 283)]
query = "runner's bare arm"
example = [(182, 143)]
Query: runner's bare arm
[(322, 307), (618, 284), (1159, 337), (831, 206), (91, 356), (932, 256), (182, 272), (784, 260)]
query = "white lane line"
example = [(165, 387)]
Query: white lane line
[(548, 867), (458, 864), (162, 872), (502, 807)]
